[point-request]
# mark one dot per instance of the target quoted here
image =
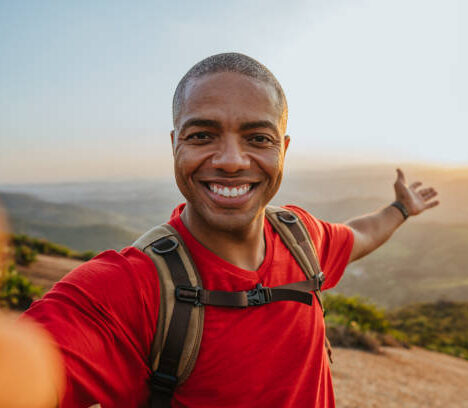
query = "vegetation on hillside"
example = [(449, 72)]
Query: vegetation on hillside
[(354, 323), (27, 246), (441, 326), (16, 290)]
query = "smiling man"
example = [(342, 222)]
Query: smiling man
[(229, 144)]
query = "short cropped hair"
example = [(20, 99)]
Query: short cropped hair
[(229, 62)]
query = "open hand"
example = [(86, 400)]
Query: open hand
[(415, 199)]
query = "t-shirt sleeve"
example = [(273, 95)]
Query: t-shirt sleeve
[(103, 316), (333, 243)]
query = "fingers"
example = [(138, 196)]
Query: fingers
[(430, 196), (432, 204), (400, 176), (415, 185), (427, 193)]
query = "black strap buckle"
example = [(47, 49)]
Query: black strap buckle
[(188, 294), (164, 245), (287, 217), (259, 295), (165, 383)]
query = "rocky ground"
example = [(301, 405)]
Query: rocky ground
[(399, 378)]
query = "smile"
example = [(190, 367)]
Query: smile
[(230, 191)]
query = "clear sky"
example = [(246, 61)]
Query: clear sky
[(86, 86)]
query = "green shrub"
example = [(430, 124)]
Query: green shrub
[(354, 311), (17, 291), (24, 255)]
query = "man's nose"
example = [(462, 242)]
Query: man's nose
[(230, 157)]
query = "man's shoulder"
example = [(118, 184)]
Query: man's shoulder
[(113, 285), (313, 224), (112, 264), (321, 231), (303, 214), (112, 273)]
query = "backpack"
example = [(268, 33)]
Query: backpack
[(181, 314)]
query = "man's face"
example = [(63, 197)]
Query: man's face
[(229, 148)]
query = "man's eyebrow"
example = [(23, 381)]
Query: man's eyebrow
[(259, 124), (200, 123)]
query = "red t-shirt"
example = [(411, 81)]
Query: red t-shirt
[(103, 316)]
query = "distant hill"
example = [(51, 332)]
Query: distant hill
[(136, 205), (29, 207), (338, 210), (421, 263), (81, 238), (373, 185), (79, 228)]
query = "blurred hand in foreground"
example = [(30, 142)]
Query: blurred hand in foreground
[(31, 373), (30, 366)]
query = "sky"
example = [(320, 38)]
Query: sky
[(86, 87)]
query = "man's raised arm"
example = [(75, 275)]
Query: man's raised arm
[(372, 230)]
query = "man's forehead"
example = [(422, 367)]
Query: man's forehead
[(228, 88)]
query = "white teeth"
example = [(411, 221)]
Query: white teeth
[(230, 192)]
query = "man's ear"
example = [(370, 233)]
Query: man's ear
[(173, 140), (287, 139)]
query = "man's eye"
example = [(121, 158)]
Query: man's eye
[(260, 139), (198, 136)]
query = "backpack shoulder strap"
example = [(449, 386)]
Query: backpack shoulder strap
[(180, 325), (295, 236)]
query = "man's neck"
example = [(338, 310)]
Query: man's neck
[(244, 249)]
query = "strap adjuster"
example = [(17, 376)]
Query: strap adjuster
[(258, 296), (188, 294), (164, 245), (165, 383), (287, 217), (320, 279)]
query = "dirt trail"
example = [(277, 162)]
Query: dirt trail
[(399, 378), (47, 270)]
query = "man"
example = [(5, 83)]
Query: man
[(229, 143)]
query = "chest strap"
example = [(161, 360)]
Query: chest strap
[(260, 295)]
